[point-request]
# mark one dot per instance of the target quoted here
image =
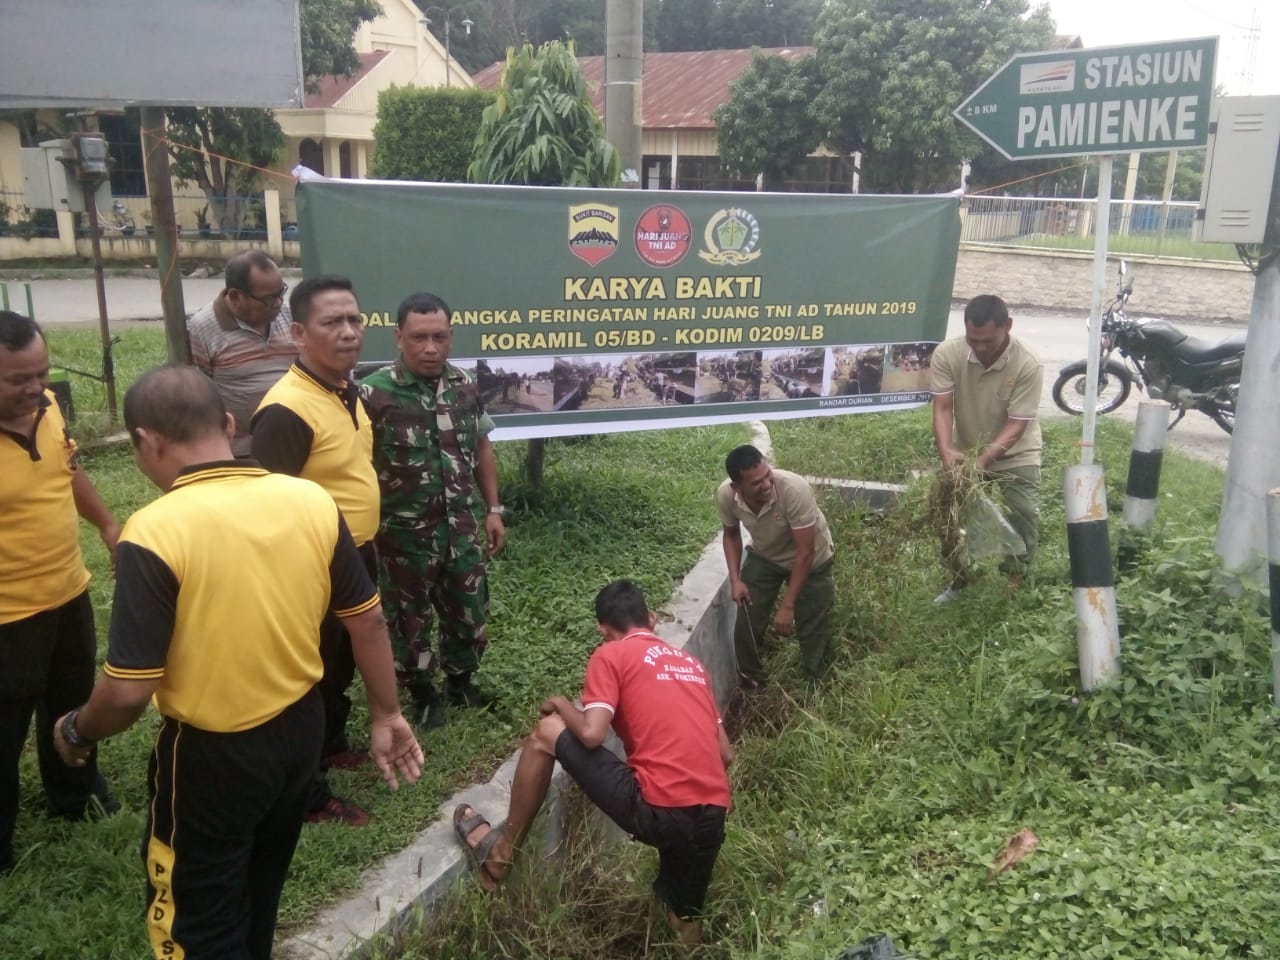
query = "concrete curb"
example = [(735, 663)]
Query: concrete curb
[(699, 616)]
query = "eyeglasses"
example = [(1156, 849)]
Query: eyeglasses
[(271, 299)]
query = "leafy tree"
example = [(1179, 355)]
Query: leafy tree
[(1057, 177), (36, 126), (1188, 175), (766, 126), (217, 148), (426, 133), (503, 24), (541, 128), (892, 72), (328, 31), (764, 23), (685, 25)]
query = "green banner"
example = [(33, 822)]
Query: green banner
[(589, 311)]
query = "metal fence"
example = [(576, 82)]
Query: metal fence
[(17, 220), (232, 218), (1140, 227)]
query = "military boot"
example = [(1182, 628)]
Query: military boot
[(461, 692), (428, 707)]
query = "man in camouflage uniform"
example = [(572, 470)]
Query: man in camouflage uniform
[(440, 509)]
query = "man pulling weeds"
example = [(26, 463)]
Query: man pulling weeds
[(672, 792)]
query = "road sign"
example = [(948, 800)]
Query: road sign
[(1101, 100)]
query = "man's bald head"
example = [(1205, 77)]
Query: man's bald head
[(178, 403)]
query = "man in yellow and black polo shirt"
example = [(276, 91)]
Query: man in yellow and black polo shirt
[(311, 424), (199, 622), (47, 642)]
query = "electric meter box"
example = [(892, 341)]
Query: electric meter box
[(50, 184), (1239, 170)]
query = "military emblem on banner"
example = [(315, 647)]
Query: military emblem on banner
[(662, 235), (731, 237), (593, 231)]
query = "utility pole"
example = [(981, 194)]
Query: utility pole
[(155, 153), (1243, 177), (623, 76)]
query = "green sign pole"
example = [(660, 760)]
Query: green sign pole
[(1097, 101), (1102, 100)]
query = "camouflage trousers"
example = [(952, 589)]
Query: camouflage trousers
[(422, 577)]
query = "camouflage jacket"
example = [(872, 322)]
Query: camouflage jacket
[(425, 435)]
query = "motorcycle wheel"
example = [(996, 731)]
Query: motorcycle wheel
[(1222, 408), (1068, 391)]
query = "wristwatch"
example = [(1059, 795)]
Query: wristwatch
[(499, 510), (71, 734)]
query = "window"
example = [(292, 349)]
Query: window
[(705, 173), (124, 142)]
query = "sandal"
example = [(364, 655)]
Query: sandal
[(465, 820)]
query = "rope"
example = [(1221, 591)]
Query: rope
[(161, 138), (1009, 183), (156, 139)]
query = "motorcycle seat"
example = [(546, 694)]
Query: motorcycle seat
[(1201, 351)]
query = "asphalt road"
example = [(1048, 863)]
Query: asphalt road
[(1061, 339), (1058, 339), (75, 301)]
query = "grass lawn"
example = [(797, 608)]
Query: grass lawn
[(878, 804), (636, 505)]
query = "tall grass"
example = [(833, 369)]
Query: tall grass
[(878, 803), (635, 505)]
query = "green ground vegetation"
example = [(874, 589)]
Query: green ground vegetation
[(141, 347), (635, 505), (878, 803)]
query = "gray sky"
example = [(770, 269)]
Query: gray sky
[(1102, 23)]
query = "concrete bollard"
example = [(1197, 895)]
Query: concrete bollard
[(1273, 567), (1092, 581), (1143, 484)]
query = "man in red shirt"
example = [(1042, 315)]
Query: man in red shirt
[(673, 790)]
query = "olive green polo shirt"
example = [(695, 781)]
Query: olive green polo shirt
[(984, 398), (792, 507)]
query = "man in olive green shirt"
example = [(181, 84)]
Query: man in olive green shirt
[(791, 544), (986, 394)]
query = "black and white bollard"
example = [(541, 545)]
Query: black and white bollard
[(1092, 581), (1143, 485), (1273, 570)]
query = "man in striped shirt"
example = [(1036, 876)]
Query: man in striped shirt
[(242, 339)]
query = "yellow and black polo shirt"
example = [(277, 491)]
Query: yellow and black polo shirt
[(40, 562), (307, 428), (221, 585)]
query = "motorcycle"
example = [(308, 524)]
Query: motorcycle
[(1187, 373)]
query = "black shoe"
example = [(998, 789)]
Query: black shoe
[(460, 692), (429, 708)]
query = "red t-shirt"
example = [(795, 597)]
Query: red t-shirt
[(665, 714)]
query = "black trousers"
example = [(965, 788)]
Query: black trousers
[(339, 671), (224, 814), (46, 668), (688, 839)]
